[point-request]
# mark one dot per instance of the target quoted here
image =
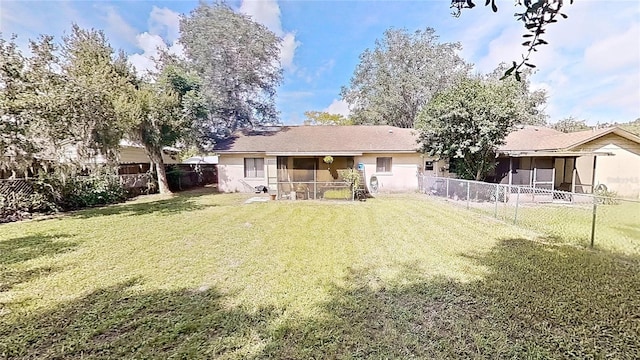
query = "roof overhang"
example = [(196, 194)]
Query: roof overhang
[(614, 130), (315, 153), (555, 153)]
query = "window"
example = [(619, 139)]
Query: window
[(383, 164), (254, 167), (428, 165)]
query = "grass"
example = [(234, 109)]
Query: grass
[(201, 275)]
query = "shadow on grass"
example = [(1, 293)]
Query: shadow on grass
[(30, 247), (118, 323), (17, 250), (537, 301), (10, 277), (179, 202)]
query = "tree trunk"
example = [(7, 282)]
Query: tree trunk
[(155, 154)]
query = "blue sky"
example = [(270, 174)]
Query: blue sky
[(591, 69)]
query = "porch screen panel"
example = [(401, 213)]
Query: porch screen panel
[(304, 169), (254, 167)]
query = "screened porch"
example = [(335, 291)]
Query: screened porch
[(313, 177)]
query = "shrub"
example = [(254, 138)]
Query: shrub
[(19, 205), (75, 192)]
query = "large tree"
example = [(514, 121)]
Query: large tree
[(530, 104), (163, 112), (17, 145), (467, 123), (61, 96), (73, 93), (237, 60), (395, 79), (570, 124), (325, 118)]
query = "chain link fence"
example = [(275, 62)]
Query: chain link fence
[(585, 219)]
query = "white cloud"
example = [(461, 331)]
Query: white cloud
[(117, 25), (164, 30), (590, 67), (338, 107), (267, 13), (165, 22), (151, 46), (615, 52), (287, 51)]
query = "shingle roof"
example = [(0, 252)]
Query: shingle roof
[(321, 139), (538, 138)]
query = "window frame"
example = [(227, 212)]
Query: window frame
[(253, 172), (387, 165)]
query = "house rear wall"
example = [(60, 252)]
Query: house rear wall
[(621, 172), (402, 178)]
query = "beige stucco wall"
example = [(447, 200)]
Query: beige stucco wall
[(402, 178), (135, 155), (231, 173), (621, 172), (584, 174), (404, 171), (126, 155)]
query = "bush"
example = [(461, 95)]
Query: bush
[(76, 192), (18, 206)]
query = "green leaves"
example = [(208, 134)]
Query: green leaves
[(535, 16), (325, 118), (237, 61), (469, 121), (396, 79)]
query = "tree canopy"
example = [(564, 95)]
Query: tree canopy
[(570, 124), (468, 122), (530, 104), (325, 118), (62, 95), (237, 61), (395, 79)]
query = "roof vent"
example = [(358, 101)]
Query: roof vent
[(390, 131)]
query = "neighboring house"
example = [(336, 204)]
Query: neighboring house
[(577, 162), (202, 160), (132, 159), (287, 158)]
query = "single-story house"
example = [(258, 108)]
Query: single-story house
[(286, 159), (576, 162), (132, 159)]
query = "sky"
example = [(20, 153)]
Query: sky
[(590, 69)]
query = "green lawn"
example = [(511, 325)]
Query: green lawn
[(201, 275)]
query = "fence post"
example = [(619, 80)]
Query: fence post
[(495, 211), (593, 220), (447, 194), (468, 193), (515, 215)]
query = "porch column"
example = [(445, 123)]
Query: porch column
[(510, 171), (593, 178), (574, 173)]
